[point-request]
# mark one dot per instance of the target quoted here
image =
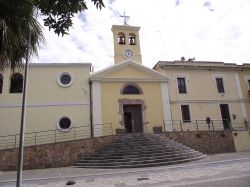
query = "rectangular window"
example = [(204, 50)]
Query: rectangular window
[(185, 113), (248, 81), (181, 85), (220, 86), (1, 83)]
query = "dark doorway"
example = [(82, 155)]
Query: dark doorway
[(133, 118), (225, 115)]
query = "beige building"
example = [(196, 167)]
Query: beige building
[(201, 90), (58, 99), (244, 93)]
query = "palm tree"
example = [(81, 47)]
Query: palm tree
[(17, 19)]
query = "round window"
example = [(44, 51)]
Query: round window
[(64, 79), (64, 124)]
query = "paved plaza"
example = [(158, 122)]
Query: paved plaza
[(231, 170)]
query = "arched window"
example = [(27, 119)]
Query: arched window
[(121, 38), (16, 83), (131, 89), (1, 83), (132, 39)]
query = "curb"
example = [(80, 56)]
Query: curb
[(127, 172)]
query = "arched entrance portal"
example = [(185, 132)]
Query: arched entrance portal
[(132, 115)]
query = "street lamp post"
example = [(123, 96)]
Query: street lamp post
[(22, 126)]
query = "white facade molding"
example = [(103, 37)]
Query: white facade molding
[(186, 78), (247, 79), (39, 105), (59, 81), (240, 94), (97, 108), (224, 79), (223, 76), (58, 124), (127, 80), (166, 107), (190, 112), (103, 74), (209, 101), (184, 75), (87, 64)]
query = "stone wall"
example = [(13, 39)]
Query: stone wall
[(205, 142), (52, 155), (66, 153)]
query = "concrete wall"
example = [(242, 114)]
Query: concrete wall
[(241, 140)]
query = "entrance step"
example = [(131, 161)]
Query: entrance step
[(139, 150)]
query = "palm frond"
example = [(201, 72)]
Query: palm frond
[(17, 20)]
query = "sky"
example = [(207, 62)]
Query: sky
[(207, 30)]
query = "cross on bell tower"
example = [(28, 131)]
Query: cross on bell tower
[(126, 42), (125, 18)]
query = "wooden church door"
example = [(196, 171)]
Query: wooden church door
[(133, 118)]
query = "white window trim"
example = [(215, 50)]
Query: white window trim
[(214, 76), (1, 76), (190, 113), (59, 79), (186, 77), (229, 108), (247, 78), (64, 130)]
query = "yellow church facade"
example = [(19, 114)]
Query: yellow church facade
[(128, 94), (58, 99)]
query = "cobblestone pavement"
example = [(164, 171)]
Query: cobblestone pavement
[(209, 172)]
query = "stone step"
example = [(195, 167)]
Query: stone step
[(159, 152), (145, 145), (139, 150), (142, 156), (141, 153), (139, 144), (139, 159), (127, 165), (135, 144)]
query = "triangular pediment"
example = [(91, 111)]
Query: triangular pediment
[(128, 70)]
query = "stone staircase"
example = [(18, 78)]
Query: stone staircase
[(139, 150)]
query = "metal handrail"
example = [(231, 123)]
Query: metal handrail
[(53, 136), (201, 125)]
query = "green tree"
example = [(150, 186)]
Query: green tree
[(19, 17)]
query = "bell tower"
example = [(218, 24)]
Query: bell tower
[(126, 42)]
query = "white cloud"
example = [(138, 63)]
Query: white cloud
[(204, 29)]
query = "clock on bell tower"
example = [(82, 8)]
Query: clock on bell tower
[(126, 42)]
